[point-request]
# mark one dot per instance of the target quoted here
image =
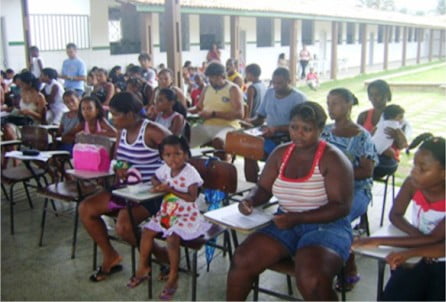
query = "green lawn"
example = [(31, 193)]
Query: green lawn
[(434, 75), (425, 110)]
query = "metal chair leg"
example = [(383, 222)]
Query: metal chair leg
[(42, 224), (11, 207), (25, 185), (149, 281), (384, 201), (95, 255), (255, 294), (186, 254), (289, 285), (194, 276), (76, 223)]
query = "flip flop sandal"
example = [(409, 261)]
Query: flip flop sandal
[(135, 281), (100, 275), (349, 284), (167, 293)]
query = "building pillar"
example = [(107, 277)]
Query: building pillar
[(334, 50), (404, 54), (419, 39), (146, 21), (440, 51), (293, 51), (386, 47), (26, 34), (235, 37), (363, 29), (431, 44), (173, 39)]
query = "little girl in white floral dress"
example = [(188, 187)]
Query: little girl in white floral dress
[(179, 217)]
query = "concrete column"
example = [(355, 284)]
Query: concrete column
[(420, 33), (363, 29), (404, 54), (293, 51), (147, 33), (386, 47), (334, 50), (173, 38), (26, 34), (440, 51), (431, 44), (235, 37)]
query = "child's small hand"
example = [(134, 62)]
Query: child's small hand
[(121, 173), (162, 187)]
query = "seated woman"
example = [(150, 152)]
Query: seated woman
[(91, 119), (356, 143), (424, 191), (379, 94), (311, 224), (137, 146)]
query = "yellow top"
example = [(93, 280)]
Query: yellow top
[(219, 100)]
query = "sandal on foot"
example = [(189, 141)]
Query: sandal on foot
[(164, 272), (100, 275), (167, 293), (349, 283), (135, 281)]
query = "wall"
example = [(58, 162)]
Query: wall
[(11, 11)]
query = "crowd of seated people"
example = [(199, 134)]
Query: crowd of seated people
[(321, 174)]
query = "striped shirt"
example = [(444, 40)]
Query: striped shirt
[(138, 154), (301, 194)]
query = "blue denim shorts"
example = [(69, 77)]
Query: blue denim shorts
[(336, 236), (360, 203)]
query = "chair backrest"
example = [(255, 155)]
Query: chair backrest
[(35, 137), (217, 175), (245, 145)]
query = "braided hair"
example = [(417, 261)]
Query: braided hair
[(434, 144)]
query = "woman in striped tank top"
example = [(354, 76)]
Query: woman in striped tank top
[(137, 144), (313, 182)]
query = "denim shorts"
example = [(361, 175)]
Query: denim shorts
[(360, 203), (336, 236)]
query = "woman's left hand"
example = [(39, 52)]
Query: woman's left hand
[(283, 221), (162, 187), (395, 259), (391, 132)]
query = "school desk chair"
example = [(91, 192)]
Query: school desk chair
[(217, 175)]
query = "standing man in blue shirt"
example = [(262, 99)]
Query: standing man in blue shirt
[(74, 71), (275, 108)]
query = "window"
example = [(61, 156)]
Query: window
[(123, 30), (185, 38), (285, 31), (54, 32), (265, 31), (380, 33), (340, 32), (307, 32), (211, 31), (409, 34), (351, 33), (397, 34), (416, 34)]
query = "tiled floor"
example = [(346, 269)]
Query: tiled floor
[(29, 272)]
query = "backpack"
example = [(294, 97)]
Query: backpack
[(92, 153)]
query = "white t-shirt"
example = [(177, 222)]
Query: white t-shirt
[(381, 140)]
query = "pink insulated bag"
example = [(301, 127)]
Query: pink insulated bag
[(90, 157)]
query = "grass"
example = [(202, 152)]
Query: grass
[(434, 75), (425, 110)]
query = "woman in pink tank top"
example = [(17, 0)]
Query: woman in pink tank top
[(313, 182), (92, 119)]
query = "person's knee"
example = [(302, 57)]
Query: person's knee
[(242, 261), (123, 228), (310, 281)]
